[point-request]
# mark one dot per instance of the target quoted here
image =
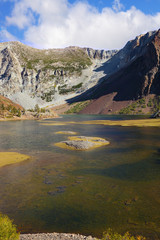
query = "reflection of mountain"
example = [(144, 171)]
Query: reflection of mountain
[(133, 73)]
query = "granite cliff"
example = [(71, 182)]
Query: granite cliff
[(29, 76)]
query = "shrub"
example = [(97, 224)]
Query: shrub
[(43, 110), (150, 104), (19, 113), (37, 108), (110, 235), (7, 229)]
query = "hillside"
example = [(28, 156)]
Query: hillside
[(132, 74), (9, 109), (29, 76)]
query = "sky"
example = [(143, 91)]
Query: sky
[(99, 24)]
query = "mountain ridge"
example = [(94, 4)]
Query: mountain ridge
[(136, 74), (44, 74), (107, 80)]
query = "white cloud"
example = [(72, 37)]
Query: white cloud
[(52, 23), (6, 36), (117, 5)]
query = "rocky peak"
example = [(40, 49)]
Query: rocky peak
[(100, 54)]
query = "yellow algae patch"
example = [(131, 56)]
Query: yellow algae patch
[(82, 143), (126, 123), (53, 124), (7, 158), (66, 132)]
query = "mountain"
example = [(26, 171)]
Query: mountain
[(131, 74), (29, 76), (98, 81)]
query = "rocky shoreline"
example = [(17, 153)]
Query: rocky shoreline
[(55, 236)]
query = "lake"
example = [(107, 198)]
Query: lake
[(115, 186)]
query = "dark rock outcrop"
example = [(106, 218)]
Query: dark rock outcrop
[(133, 73)]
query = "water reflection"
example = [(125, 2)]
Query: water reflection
[(115, 186)]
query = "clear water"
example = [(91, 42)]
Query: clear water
[(116, 186)]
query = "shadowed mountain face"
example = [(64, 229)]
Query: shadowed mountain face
[(134, 72)]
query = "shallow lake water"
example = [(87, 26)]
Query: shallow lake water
[(116, 186)]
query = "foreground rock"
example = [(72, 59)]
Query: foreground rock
[(82, 143), (54, 236)]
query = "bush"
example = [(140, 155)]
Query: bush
[(7, 229), (37, 108), (110, 235)]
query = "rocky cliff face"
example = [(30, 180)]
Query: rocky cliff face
[(132, 73), (46, 74)]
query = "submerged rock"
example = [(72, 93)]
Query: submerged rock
[(82, 143)]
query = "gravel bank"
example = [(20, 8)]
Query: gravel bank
[(54, 236)]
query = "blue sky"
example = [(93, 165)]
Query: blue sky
[(102, 24)]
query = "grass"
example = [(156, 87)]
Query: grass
[(7, 158)]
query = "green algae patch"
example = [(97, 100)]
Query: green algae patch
[(7, 158), (82, 143), (66, 132), (126, 123)]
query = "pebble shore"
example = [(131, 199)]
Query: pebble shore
[(55, 236)]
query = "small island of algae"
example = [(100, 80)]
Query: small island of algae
[(66, 132), (81, 143), (7, 158)]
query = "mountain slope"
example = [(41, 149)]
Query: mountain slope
[(9, 109), (133, 73), (30, 76)]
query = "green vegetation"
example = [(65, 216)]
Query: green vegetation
[(110, 235), (78, 107), (37, 109), (63, 90), (69, 60), (10, 111), (48, 96), (150, 103), (156, 103), (135, 107), (7, 229)]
